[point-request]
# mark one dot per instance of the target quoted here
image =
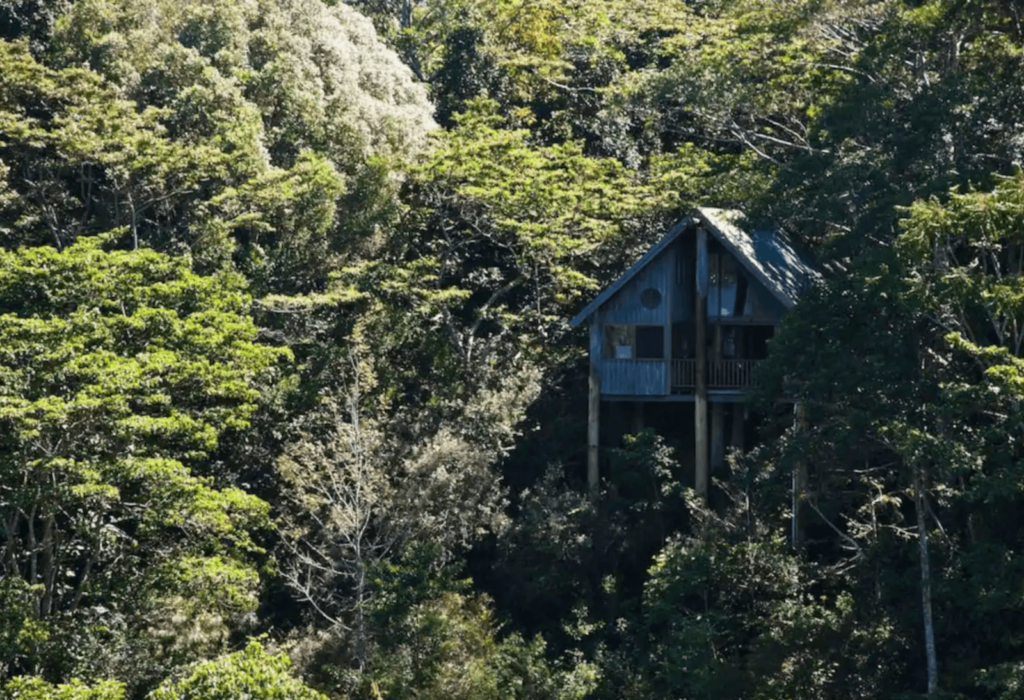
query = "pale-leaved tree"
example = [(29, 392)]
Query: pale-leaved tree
[(363, 482)]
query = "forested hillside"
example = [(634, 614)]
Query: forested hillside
[(289, 402)]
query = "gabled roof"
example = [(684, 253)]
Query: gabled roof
[(767, 255)]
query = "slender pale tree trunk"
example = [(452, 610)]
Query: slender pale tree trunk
[(926, 582), (361, 633)]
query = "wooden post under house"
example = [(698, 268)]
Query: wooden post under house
[(594, 411), (700, 408)]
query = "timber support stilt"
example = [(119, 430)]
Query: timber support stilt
[(594, 413), (799, 485), (739, 427), (638, 416), (700, 406), (717, 411)]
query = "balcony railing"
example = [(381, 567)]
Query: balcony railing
[(722, 374), (684, 374), (730, 374)]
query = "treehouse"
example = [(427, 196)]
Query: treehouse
[(688, 323)]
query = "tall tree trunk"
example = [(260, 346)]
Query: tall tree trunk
[(361, 634), (700, 405), (799, 485), (926, 581), (594, 411)]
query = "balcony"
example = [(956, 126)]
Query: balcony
[(722, 374)]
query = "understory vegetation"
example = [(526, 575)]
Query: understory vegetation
[(290, 406)]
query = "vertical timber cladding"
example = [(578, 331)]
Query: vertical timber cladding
[(642, 304)]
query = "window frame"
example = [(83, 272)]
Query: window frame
[(610, 334)]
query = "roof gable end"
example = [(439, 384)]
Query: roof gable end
[(611, 289)]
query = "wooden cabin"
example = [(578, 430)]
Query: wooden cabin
[(688, 323)]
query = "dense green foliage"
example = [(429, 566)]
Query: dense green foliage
[(284, 289), (249, 673), (121, 370), (37, 689)]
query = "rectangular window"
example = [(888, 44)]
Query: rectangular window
[(727, 268), (619, 342), (727, 285), (650, 342), (722, 284), (729, 342), (682, 340), (634, 342)]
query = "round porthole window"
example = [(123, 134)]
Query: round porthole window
[(650, 298)]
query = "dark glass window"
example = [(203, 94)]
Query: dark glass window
[(722, 281), (650, 342), (682, 340)]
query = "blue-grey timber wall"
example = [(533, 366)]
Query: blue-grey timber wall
[(625, 306), (634, 377), (640, 377), (684, 262)]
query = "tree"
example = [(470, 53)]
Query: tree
[(32, 19), (86, 161), (251, 673), (234, 134), (438, 640), (317, 75), (510, 233), (919, 423), (966, 258), (119, 373), (731, 613), (364, 483), (26, 688)]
